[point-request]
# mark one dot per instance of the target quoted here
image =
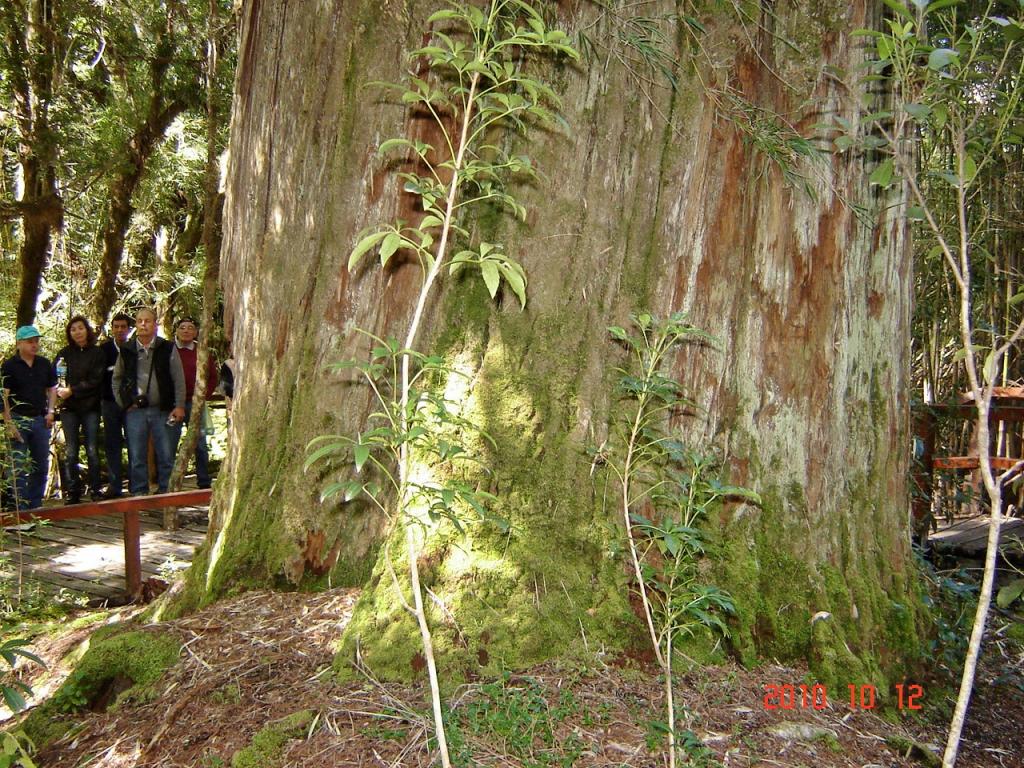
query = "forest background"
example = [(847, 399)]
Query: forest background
[(105, 138)]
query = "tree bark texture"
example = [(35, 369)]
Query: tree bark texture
[(213, 209), (655, 200), (42, 214), (32, 40)]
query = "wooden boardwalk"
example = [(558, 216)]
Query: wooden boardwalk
[(86, 556), (969, 536)]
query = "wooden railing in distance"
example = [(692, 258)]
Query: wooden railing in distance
[(973, 462), (130, 508)]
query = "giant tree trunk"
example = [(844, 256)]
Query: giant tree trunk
[(653, 201)]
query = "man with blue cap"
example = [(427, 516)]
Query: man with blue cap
[(30, 396)]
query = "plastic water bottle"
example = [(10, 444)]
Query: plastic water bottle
[(62, 372)]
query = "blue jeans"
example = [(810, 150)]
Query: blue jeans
[(31, 460), (202, 451), (72, 423), (113, 442), (141, 424)]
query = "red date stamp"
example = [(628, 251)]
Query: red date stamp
[(790, 696)]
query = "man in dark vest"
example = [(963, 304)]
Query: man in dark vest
[(113, 415), (149, 384)]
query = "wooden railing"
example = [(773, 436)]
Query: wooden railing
[(130, 508), (973, 462)]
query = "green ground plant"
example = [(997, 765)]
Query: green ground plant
[(515, 716), (952, 598), (666, 491), (16, 747), (268, 745), (12, 689), (476, 90), (1012, 594)]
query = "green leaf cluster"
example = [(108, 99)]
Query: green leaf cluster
[(954, 70), (14, 690), (16, 749), (669, 487), (1010, 593)]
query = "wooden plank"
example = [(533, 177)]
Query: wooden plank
[(51, 543), (972, 462), (120, 561), (46, 570), (115, 527), (104, 581), (111, 568), (182, 536), (72, 580), (112, 562), (90, 537), (91, 589), (81, 537), (113, 522), (1014, 413), (155, 552), (998, 393), (971, 536)]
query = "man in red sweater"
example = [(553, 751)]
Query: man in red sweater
[(185, 340)]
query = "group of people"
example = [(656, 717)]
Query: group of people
[(140, 387)]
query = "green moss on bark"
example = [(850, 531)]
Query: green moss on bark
[(858, 624), (114, 666)]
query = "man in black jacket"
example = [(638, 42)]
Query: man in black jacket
[(149, 384), (113, 415)]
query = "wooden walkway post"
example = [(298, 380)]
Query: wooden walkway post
[(132, 556)]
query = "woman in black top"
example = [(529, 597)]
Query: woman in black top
[(79, 391)]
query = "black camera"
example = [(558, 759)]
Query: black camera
[(141, 402)]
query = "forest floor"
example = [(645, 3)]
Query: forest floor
[(250, 661)]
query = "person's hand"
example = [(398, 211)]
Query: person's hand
[(178, 414), (13, 433), (49, 419), (63, 392)]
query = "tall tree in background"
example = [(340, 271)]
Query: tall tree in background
[(33, 57), (155, 75), (685, 182), (102, 107), (213, 207)]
